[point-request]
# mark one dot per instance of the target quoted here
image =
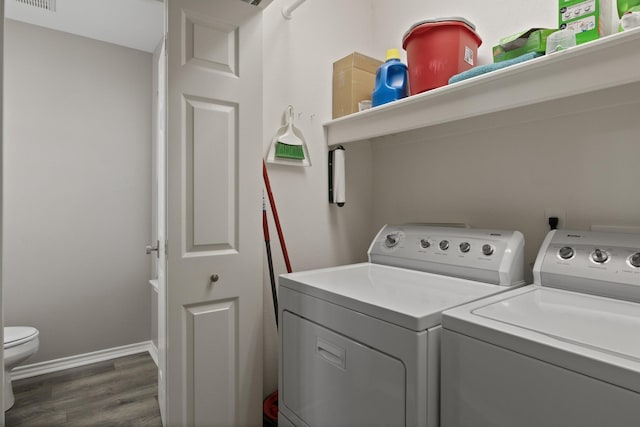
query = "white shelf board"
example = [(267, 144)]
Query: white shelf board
[(596, 75)]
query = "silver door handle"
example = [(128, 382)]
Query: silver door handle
[(155, 248)]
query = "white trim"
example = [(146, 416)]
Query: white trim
[(153, 352), (55, 365)]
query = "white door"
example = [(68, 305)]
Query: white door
[(161, 227), (214, 267), (1, 207)]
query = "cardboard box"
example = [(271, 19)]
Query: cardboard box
[(589, 19), (533, 40), (354, 77)]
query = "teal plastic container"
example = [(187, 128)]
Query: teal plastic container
[(392, 80)]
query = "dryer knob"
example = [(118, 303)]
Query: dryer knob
[(391, 240), (634, 260), (566, 252), (424, 243), (600, 256), (444, 245), (465, 247), (487, 249)]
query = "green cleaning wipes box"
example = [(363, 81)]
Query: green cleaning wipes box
[(532, 40), (589, 19)]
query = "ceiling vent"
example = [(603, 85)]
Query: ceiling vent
[(42, 4)]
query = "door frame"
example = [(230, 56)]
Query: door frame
[(1, 200)]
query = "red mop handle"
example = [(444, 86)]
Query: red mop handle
[(276, 218)]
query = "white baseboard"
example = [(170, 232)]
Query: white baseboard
[(48, 366), (153, 352)]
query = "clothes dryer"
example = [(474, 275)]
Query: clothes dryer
[(360, 344)]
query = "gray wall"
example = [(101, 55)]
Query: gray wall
[(77, 185), (507, 177)]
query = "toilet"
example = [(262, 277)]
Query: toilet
[(20, 343)]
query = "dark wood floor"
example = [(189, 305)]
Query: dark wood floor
[(119, 392)]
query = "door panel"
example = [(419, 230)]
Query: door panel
[(212, 143), (214, 334), (214, 375), (210, 43)]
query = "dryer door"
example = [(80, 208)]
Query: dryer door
[(332, 380)]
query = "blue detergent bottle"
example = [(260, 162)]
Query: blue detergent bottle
[(391, 80)]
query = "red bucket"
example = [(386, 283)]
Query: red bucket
[(438, 49)]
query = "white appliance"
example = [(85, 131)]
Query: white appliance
[(360, 344), (564, 351)]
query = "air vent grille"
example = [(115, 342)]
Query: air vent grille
[(42, 4)]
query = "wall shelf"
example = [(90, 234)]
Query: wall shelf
[(600, 74)]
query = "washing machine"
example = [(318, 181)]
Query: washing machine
[(360, 344), (564, 351)]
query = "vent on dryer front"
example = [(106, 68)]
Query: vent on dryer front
[(42, 4)]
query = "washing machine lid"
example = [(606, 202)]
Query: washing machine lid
[(407, 298), (594, 335), (612, 326), (16, 335)]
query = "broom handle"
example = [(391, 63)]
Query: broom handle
[(276, 218), (267, 243)]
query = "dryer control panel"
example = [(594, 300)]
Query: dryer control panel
[(606, 264), (491, 256)]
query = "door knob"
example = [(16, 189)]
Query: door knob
[(155, 248)]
